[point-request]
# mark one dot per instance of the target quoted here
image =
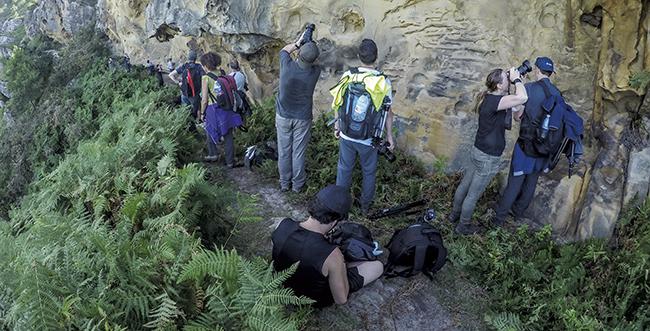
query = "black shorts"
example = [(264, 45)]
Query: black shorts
[(354, 279)]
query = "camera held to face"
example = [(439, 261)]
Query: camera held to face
[(309, 32), (523, 69)]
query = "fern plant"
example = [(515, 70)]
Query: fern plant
[(241, 294)]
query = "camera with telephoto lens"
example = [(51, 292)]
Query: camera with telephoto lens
[(309, 32), (523, 69), (382, 149)]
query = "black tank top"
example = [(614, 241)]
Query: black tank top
[(491, 134), (293, 243)]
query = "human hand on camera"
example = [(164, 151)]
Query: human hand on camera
[(514, 74), (391, 143), (297, 42)]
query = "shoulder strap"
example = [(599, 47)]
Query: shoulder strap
[(216, 80), (547, 92)]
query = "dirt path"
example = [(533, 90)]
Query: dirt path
[(449, 302)]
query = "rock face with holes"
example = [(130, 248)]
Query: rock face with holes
[(437, 53)]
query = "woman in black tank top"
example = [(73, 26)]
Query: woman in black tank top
[(489, 143)]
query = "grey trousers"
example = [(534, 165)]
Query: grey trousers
[(228, 147), (476, 178), (348, 151), (293, 137)]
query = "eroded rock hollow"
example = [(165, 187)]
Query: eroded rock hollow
[(437, 52)]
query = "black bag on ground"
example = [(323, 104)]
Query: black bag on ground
[(256, 155), (418, 248), (355, 242)]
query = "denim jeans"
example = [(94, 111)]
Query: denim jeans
[(476, 178), (194, 102), (348, 151), (293, 137), (517, 196)]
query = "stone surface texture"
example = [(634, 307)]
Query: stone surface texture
[(437, 53)]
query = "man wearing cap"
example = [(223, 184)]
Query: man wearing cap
[(525, 169), (190, 84), (322, 273), (294, 111)]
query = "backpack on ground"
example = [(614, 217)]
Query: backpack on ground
[(356, 242), (538, 138), (418, 248), (358, 114), (224, 92), (191, 84), (256, 155)]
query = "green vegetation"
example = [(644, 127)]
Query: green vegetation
[(110, 219), (109, 225), (533, 282)]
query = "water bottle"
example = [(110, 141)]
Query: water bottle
[(360, 108), (545, 126), (217, 89)]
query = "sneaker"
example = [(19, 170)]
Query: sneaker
[(298, 190), (284, 189), (210, 158)]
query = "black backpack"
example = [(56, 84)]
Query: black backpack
[(418, 248), (356, 242), (533, 139), (191, 84), (359, 118)]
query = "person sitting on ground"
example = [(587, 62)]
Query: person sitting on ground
[(490, 141), (353, 143), (322, 273), (188, 77), (294, 111), (219, 123)]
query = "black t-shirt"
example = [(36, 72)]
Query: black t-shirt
[(293, 243), (296, 91), (491, 134)]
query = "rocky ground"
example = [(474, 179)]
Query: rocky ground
[(449, 302)]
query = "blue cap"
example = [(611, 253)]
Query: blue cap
[(544, 63)]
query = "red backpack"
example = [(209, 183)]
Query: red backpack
[(224, 92)]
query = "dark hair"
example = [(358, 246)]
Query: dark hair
[(368, 51), (234, 64), (546, 73), (321, 213), (492, 81), (210, 60)]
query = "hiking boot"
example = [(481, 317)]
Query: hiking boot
[(466, 228), (210, 158), (284, 189), (298, 190), (453, 217)]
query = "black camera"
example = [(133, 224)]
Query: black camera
[(524, 68), (382, 149), (309, 32)]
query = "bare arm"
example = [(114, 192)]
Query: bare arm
[(204, 98), (174, 77), (336, 272), (519, 98), (389, 129), (518, 112)]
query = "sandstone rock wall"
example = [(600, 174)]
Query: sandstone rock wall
[(437, 53)]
